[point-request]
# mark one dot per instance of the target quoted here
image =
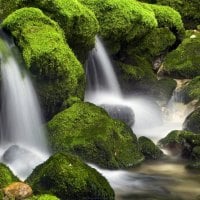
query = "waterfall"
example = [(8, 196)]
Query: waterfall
[(101, 71), (23, 143)]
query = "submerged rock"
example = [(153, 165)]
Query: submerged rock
[(68, 178), (192, 122), (87, 131), (59, 75), (17, 190), (149, 149), (121, 112)]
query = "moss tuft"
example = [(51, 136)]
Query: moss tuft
[(43, 197), (149, 149), (6, 176), (68, 178), (58, 73), (87, 131)]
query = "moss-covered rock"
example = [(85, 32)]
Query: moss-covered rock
[(87, 131), (193, 165), (78, 22), (6, 176), (58, 73), (184, 62), (43, 197), (149, 149), (120, 20), (68, 178), (183, 143), (192, 122), (191, 90)]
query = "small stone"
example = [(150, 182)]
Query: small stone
[(18, 190)]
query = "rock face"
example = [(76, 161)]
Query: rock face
[(68, 178), (6, 176), (192, 122), (59, 75), (149, 149), (87, 131), (123, 113), (17, 190)]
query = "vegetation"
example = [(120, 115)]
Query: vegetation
[(58, 73), (43, 197), (184, 62), (6, 176), (149, 149), (76, 20), (192, 122), (87, 131), (68, 178)]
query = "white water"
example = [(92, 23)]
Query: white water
[(21, 122), (151, 120), (103, 77)]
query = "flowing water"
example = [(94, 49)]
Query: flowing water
[(163, 180), (22, 139)]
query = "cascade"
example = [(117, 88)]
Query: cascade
[(22, 139)]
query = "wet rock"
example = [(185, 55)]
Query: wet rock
[(121, 112), (17, 190)]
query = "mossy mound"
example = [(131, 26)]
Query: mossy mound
[(163, 89), (149, 149), (192, 122), (189, 10), (78, 22), (6, 176), (191, 90), (43, 197), (136, 77), (68, 178), (184, 62), (48, 57), (183, 143), (87, 131), (120, 20)]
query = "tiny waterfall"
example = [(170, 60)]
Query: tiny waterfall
[(23, 144), (100, 70)]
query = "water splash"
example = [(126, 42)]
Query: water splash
[(21, 122)]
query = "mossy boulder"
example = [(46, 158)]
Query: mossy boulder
[(6, 176), (68, 178), (182, 143), (191, 90), (58, 74), (78, 22), (184, 62), (87, 131), (136, 77), (120, 20), (192, 122), (149, 149), (43, 197)]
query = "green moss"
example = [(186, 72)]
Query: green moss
[(121, 20), (68, 178), (47, 56), (192, 122), (196, 153), (43, 197), (149, 149), (184, 62), (87, 131), (6, 176), (163, 89), (191, 90), (78, 22), (189, 10), (194, 165), (156, 42)]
